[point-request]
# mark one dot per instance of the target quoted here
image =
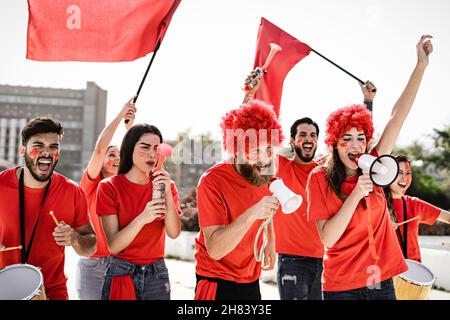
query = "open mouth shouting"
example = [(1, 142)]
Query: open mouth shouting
[(308, 147), (352, 156), (44, 165), (402, 185)]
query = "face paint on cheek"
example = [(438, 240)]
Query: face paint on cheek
[(34, 153), (364, 144), (343, 144), (55, 155)]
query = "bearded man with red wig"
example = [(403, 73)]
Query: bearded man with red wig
[(233, 200), (362, 253)]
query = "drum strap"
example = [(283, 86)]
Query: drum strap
[(26, 250), (404, 239)]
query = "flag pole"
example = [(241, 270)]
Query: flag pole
[(145, 74), (336, 65)]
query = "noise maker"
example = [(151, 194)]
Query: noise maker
[(382, 170), (288, 199), (260, 71), (164, 151)]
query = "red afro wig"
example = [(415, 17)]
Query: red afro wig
[(340, 121), (256, 116)]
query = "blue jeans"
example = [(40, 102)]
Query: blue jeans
[(151, 281), (299, 278), (385, 291), (90, 277)]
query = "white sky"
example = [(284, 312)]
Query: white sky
[(210, 46)]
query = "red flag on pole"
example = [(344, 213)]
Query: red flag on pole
[(292, 51), (100, 30)]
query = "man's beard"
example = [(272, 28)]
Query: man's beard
[(298, 151), (32, 168), (251, 174)]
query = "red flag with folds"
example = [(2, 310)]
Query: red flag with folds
[(96, 30), (292, 52)]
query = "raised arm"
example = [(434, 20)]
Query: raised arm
[(404, 103), (95, 163), (369, 91)]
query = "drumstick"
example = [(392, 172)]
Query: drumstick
[(412, 219), (11, 248), (54, 218)]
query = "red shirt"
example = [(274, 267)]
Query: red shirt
[(426, 212), (294, 234), (349, 264), (68, 203), (89, 187), (119, 196), (222, 196)]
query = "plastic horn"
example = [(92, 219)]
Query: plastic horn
[(164, 151), (274, 48), (250, 83)]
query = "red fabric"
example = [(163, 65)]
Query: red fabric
[(206, 290), (119, 196), (108, 30), (349, 263), (69, 204), (427, 214), (89, 187), (122, 288), (294, 233), (292, 52), (222, 196)]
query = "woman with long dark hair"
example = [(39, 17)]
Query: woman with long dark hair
[(362, 254), (403, 208), (135, 224)]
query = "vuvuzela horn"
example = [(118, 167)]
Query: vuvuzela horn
[(250, 82), (274, 48)]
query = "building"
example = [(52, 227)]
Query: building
[(82, 113), (192, 157)]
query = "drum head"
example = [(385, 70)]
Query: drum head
[(19, 282), (418, 274)]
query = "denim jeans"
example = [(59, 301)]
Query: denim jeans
[(151, 281), (90, 277), (299, 278), (385, 291)]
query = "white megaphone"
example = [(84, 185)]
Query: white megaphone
[(382, 170), (288, 199)]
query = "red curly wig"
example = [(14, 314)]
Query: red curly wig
[(340, 121), (255, 115)]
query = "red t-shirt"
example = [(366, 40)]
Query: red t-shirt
[(349, 264), (119, 196), (222, 196), (294, 234), (426, 212), (68, 203), (89, 187)]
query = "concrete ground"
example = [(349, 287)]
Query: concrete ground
[(182, 278)]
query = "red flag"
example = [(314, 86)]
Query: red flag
[(292, 52), (100, 30)]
